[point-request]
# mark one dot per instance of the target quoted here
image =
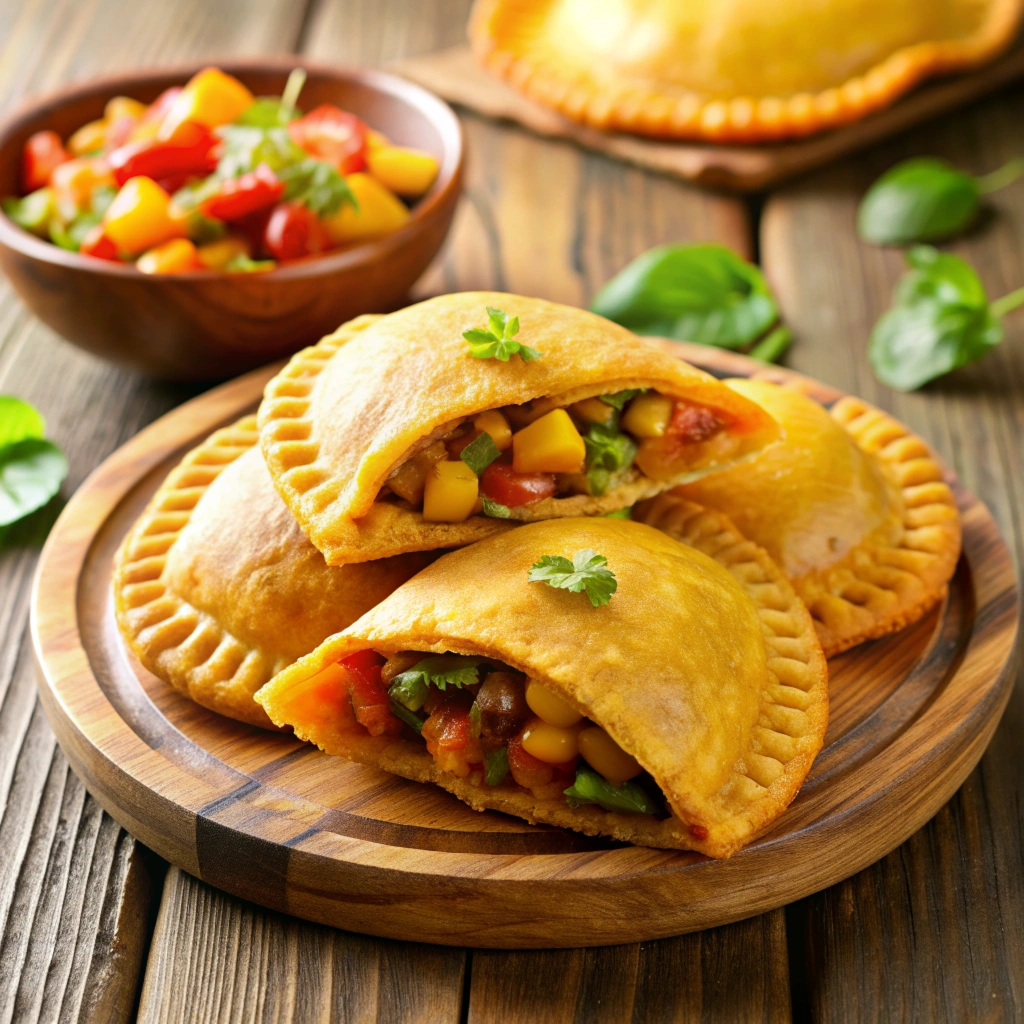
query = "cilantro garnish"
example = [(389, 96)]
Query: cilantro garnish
[(409, 688), (316, 184), (587, 571), (608, 451), (620, 398), (495, 509), (498, 341), (480, 453)]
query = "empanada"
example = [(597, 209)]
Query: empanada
[(698, 691), (851, 506), (731, 70), (367, 434), (216, 589)]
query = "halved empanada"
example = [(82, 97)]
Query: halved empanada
[(851, 506), (701, 684), (216, 588), (366, 433), (736, 71)]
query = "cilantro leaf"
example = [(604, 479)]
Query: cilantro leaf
[(248, 146), (591, 788), (620, 398), (608, 451), (316, 184), (587, 572), (409, 688), (480, 453), (496, 766), (498, 341), (495, 510)]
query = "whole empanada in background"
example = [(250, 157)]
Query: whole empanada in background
[(343, 416), (704, 667), (216, 589), (850, 504), (731, 70)]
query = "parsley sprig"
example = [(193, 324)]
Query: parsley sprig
[(498, 341), (586, 572)]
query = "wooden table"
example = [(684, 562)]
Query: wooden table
[(95, 928)]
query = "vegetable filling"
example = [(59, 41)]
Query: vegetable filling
[(481, 719), (506, 458)]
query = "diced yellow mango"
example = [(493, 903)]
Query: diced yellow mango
[(408, 480), (647, 415), (450, 493), (138, 218), (551, 444), (217, 255), (380, 212), (211, 98), (495, 424), (88, 138), (123, 106), (593, 410), (407, 172)]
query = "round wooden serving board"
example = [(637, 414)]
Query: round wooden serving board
[(277, 822)]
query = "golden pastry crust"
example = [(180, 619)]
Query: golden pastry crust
[(343, 414), (737, 72), (704, 665), (851, 505), (216, 589)]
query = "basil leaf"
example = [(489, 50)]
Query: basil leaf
[(496, 766), (400, 711), (31, 472), (591, 788), (19, 421), (497, 511), (480, 453), (699, 293), (918, 200), (940, 276)]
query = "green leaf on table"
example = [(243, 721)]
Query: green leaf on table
[(31, 472), (591, 788), (940, 320), (926, 199), (480, 453), (588, 571), (497, 341), (19, 421), (701, 293)]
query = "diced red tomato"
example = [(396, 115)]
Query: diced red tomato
[(293, 231), (96, 243), (501, 483), (448, 733), (332, 134), (534, 774), (370, 700), (692, 423), (238, 197), (191, 150), (43, 154)]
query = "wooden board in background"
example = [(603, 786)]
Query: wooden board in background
[(280, 823), (455, 75)]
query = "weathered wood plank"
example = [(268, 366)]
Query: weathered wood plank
[(933, 932)]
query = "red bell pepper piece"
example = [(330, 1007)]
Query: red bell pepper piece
[(332, 134), (692, 423), (501, 483), (43, 154), (96, 243), (191, 149), (369, 695), (238, 197), (293, 231)]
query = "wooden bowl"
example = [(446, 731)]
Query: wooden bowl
[(208, 325)]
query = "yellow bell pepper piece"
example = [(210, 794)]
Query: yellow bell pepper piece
[(450, 493), (551, 444), (375, 139), (380, 212), (123, 106), (593, 410), (88, 138), (407, 172), (139, 217), (495, 424), (647, 415), (210, 97), (174, 257), (217, 255)]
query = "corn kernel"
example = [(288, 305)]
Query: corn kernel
[(550, 743), (648, 415), (407, 172), (551, 444), (409, 479), (549, 707), (606, 757), (449, 493), (495, 424), (593, 410)]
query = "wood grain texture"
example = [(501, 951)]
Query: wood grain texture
[(75, 889), (216, 959), (933, 932)]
